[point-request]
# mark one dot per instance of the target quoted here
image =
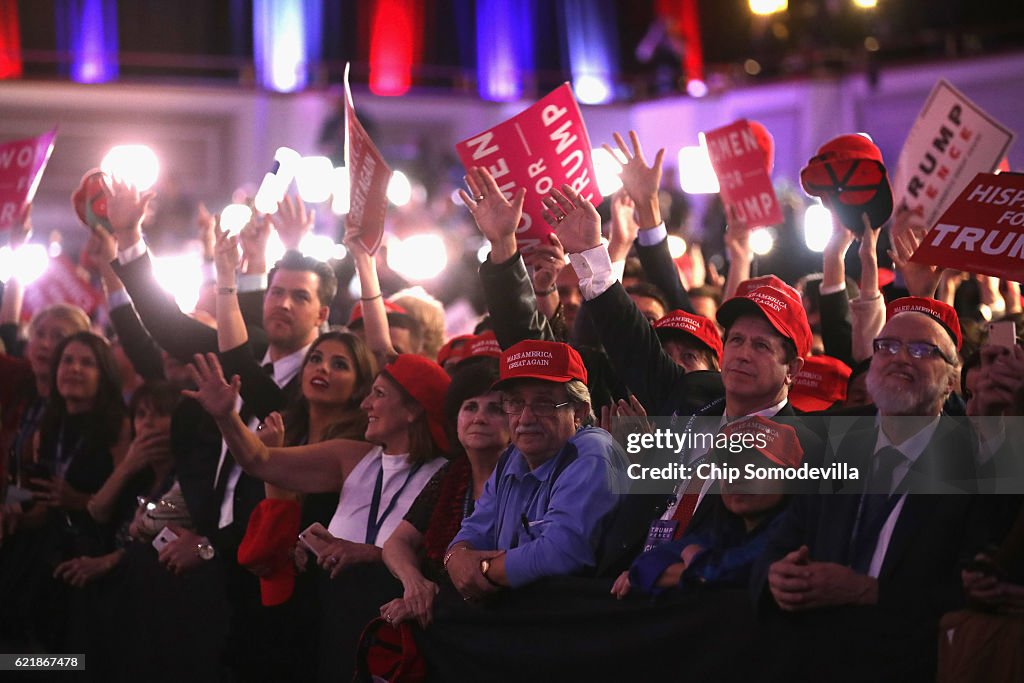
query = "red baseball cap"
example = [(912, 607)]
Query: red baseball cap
[(849, 175), (820, 383), (395, 313), (700, 328), (273, 527), (453, 349), (544, 360), (484, 344), (779, 442), (944, 314), (753, 283), (89, 200), (427, 383), (784, 311)]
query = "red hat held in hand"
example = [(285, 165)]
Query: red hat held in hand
[(269, 538), (850, 177), (820, 383), (944, 314)]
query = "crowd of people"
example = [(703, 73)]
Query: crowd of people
[(248, 493)]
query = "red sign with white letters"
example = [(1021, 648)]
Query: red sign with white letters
[(60, 283), (982, 231), (543, 147), (21, 168), (368, 177), (743, 179)]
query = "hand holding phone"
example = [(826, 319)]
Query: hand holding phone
[(164, 538), (310, 540), (1003, 333)]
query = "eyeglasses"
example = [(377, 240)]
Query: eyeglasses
[(916, 349), (542, 408)]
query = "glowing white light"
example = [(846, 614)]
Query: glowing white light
[(314, 177), (696, 175), (288, 165), (762, 240), (483, 252), (26, 264), (234, 217), (320, 247), (270, 193), (606, 168), (592, 89), (135, 164), (340, 191), (676, 246), (399, 189), (55, 249), (339, 252), (696, 88), (420, 257), (275, 248), (817, 227), (866, 4), (765, 7), (355, 290), (182, 276)]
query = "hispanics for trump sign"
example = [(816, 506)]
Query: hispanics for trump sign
[(368, 176), (982, 231), (21, 168), (952, 140), (743, 179), (543, 147)]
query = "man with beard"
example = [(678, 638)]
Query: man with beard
[(875, 564)]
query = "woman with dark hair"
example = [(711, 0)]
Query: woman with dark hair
[(481, 433)]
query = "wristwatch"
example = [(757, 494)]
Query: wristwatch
[(205, 551)]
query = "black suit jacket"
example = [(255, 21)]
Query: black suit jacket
[(661, 271)]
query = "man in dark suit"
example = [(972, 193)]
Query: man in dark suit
[(875, 568), (295, 307)]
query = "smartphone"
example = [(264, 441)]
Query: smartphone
[(310, 541), (1003, 333), (164, 538)]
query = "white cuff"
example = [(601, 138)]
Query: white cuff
[(252, 282), (651, 236), (132, 253), (832, 289), (594, 269), (618, 270)]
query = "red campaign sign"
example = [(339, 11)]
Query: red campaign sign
[(743, 176), (21, 168), (543, 147), (60, 284), (368, 177), (982, 231)]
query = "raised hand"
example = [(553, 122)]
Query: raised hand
[(575, 220), (495, 216), (292, 222), (624, 227), (547, 261), (868, 253), (253, 240), (639, 180), (213, 392), (906, 234), (226, 258), (271, 431), (126, 207), (205, 224)]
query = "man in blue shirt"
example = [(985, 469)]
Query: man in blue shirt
[(545, 508)]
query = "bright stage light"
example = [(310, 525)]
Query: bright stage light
[(181, 276), (417, 258), (234, 217), (607, 168), (26, 264), (314, 176), (592, 90), (676, 246), (269, 194), (135, 164), (696, 175), (817, 227), (340, 191), (399, 189), (762, 240), (764, 8), (696, 88), (866, 4), (319, 247)]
